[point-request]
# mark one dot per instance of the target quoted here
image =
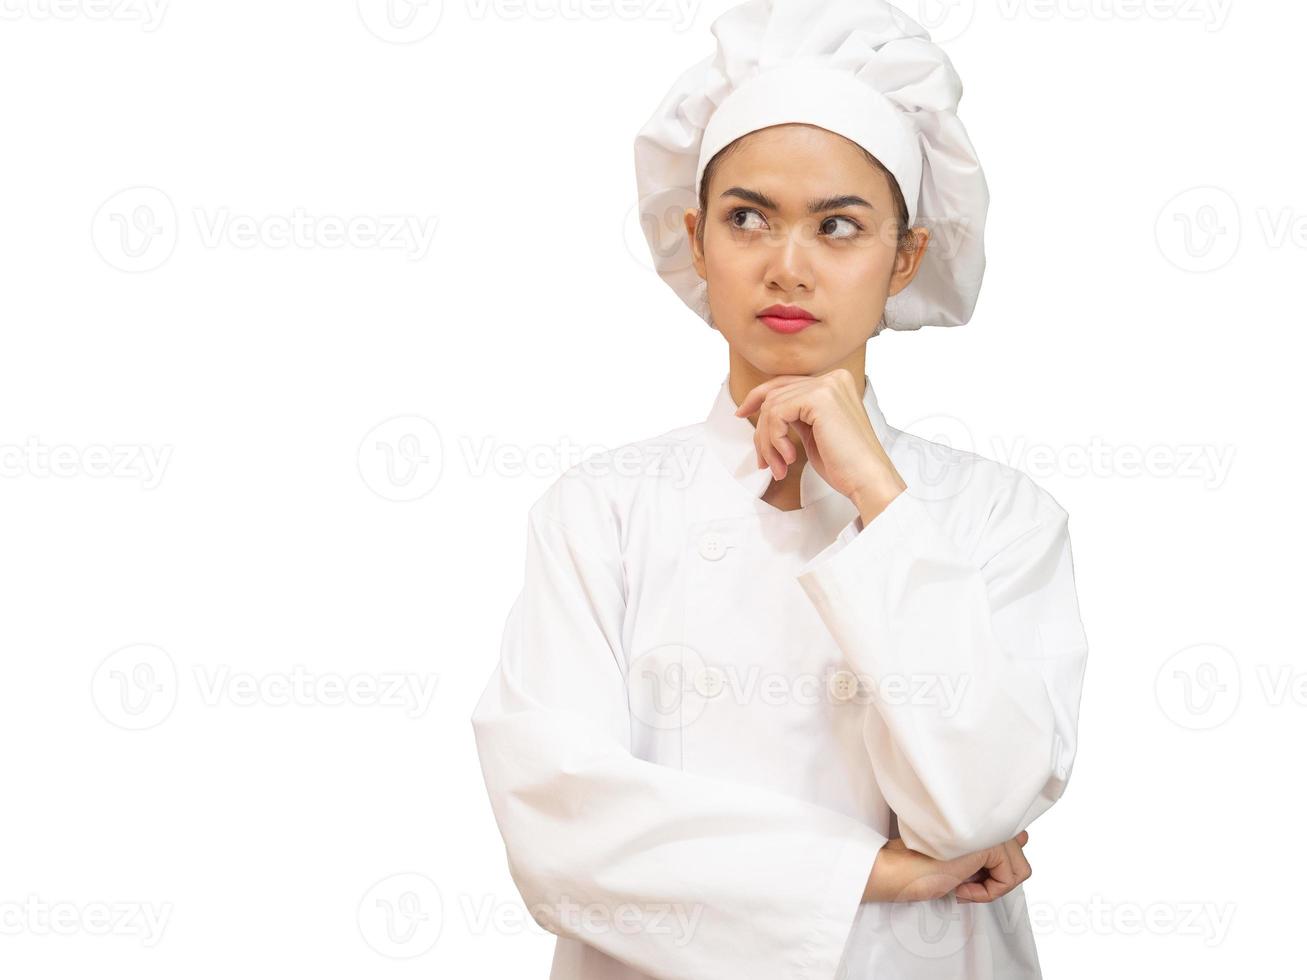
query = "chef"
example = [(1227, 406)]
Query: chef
[(788, 713)]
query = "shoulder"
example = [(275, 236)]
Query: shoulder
[(590, 497), (983, 501)]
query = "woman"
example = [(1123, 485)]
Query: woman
[(783, 689)]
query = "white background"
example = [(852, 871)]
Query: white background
[(196, 502)]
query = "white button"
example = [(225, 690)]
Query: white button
[(712, 546), (709, 682), (843, 685)]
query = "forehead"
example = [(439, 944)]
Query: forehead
[(794, 161)]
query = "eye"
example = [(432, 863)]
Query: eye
[(852, 227), (736, 214)]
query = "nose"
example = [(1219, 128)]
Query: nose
[(789, 267)]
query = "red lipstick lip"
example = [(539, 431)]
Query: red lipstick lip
[(787, 319), (788, 313)]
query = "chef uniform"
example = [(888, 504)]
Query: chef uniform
[(709, 714)]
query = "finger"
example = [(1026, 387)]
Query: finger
[(758, 394), (772, 432), (1005, 866), (987, 890), (810, 449), (1001, 878), (1020, 863), (993, 889), (754, 397), (766, 453), (969, 891), (771, 453), (1003, 871), (780, 437), (780, 466), (1024, 871), (1016, 862), (1004, 875), (979, 891)]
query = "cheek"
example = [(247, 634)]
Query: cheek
[(724, 252), (861, 271), (733, 269)]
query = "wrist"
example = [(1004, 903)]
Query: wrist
[(877, 889), (871, 500)]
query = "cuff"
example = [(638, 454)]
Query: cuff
[(885, 528), (824, 951)]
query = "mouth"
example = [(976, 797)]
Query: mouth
[(786, 319)]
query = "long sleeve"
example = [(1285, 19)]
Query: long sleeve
[(975, 659), (752, 883)]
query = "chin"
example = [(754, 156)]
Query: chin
[(783, 357)]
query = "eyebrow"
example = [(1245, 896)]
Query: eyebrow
[(814, 207)]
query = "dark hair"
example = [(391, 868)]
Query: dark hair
[(906, 240)]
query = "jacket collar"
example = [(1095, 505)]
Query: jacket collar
[(730, 438)]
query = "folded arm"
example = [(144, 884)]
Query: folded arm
[(976, 660), (742, 881)]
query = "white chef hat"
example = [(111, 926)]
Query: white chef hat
[(859, 68)]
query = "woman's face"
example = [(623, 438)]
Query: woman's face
[(764, 245)]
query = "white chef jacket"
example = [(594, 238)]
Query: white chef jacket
[(709, 714)]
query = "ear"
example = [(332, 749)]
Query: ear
[(907, 263), (691, 220)]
